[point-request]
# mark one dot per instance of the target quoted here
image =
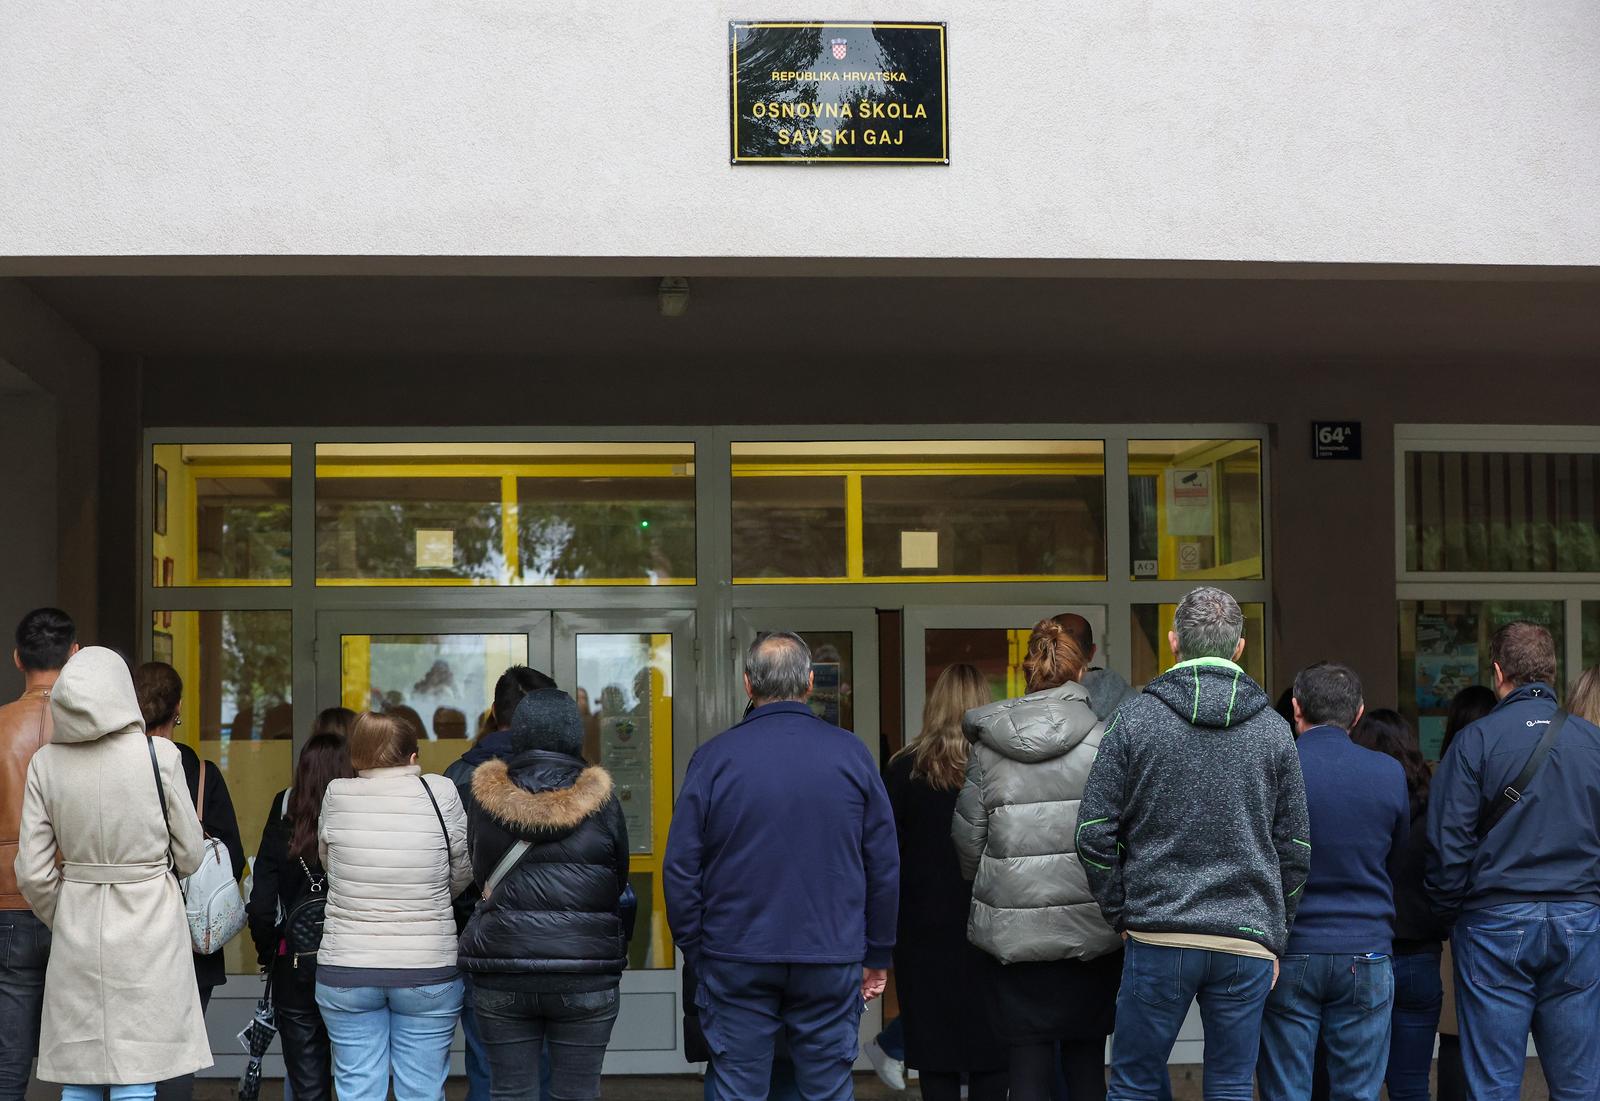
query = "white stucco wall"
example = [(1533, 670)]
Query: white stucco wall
[(1433, 131)]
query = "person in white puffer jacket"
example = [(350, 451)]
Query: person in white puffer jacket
[(394, 843)]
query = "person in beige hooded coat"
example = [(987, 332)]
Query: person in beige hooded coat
[(120, 1003)]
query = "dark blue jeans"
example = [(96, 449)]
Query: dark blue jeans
[(1158, 986), (516, 1025), (477, 1059), (1529, 966), (24, 952), (816, 1006), (1418, 997), (1347, 1001)]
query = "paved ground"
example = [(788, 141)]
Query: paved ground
[(1185, 1087)]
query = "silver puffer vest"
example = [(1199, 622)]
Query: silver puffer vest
[(1016, 823)]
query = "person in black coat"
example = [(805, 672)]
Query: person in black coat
[(160, 691), (288, 873), (943, 982), (547, 945)]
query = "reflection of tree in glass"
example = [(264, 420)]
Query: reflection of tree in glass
[(256, 666), (436, 681), (242, 528), (625, 539), (377, 538), (762, 52)]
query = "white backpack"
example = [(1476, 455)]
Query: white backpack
[(211, 898)]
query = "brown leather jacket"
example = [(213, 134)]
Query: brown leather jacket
[(24, 727)]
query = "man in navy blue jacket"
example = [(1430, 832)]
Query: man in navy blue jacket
[(1524, 897), (1337, 979), (782, 883)]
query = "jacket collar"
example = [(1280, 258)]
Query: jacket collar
[(781, 707), (1326, 731), (386, 773), (551, 811), (1535, 691)]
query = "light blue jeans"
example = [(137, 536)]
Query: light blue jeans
[(377, 1030), (143, 1092)]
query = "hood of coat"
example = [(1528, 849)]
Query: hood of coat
[(543, 793), (1037, 727), (93, 697), (1209, 692)]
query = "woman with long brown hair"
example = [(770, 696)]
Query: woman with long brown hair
[(288, 873), (940, 977), (1056, 964)]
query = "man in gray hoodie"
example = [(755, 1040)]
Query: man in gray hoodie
[(1107, 690), (1195, 837)]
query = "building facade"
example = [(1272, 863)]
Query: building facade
[(337, 365)]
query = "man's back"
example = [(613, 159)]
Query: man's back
[(1360, 813), (1547, 847), (1194, 817), (783, 846), (24, 727)]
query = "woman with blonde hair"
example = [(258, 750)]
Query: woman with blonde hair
[(939, 976), (1583, 699), (394, 844), (1057, 965)]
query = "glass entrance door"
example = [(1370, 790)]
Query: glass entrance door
[(844, 659), (633, 675), (995, 639)]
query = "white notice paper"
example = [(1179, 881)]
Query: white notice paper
[(1189, 500), (919, 550), (436, 548)]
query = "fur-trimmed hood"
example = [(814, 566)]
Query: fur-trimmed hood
[(553, 811)]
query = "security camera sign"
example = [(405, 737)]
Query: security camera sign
[(1189, 500)]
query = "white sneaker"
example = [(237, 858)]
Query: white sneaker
[(891, 1071)]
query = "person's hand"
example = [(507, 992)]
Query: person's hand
[(1274, 985), (1124, 936), (873, 980)]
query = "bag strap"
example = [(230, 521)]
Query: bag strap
[(510, 860), (200, 795), (161, 793), (442, 827), (1513, 793)]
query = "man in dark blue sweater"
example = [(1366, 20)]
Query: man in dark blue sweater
[(782, 882), (1524, 895), (1337, 979)]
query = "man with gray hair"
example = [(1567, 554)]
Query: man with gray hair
[(1194, 834), (782, 882)]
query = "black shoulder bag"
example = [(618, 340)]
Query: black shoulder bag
[(461, 908), (1512, 795), (302, 925)]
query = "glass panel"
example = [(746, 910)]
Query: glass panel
[(833, 669), (1485, 511), (624, 693), (997, 652), (446, 682), (238, 711), (908, 510), (1152, 654), (498, 514), (1591, 634), (788, 527), (1194, 509), (1444, 647), (220, 514)]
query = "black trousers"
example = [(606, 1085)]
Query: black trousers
[(307, 1055), (1082, 1063)]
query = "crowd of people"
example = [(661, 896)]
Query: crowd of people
[(1038, 874)]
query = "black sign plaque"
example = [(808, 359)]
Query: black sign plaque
[(1336, 440), (846, 93)]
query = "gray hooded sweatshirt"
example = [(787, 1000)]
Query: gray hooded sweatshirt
[(1015, 823), (1194, 817)]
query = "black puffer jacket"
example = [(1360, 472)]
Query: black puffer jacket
[(554, 922)]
